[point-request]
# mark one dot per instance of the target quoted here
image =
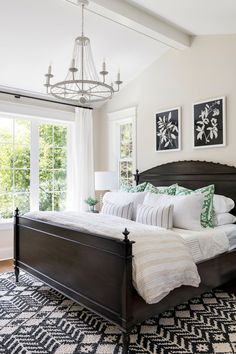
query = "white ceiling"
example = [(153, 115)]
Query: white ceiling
[(35, 33), (198, 17)]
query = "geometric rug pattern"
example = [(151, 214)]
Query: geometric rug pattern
[(35, 319)]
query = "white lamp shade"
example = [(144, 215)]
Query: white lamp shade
[(106, 180)]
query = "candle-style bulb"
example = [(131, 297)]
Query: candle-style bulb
[(118, 76), (72, 68), (104, 65)]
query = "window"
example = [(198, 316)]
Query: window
[(52, 167), (122, 144), (33, 166), (126, 154)]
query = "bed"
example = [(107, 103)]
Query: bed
[(96, 270)]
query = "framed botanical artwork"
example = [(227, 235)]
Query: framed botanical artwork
[(168, 130), (209, 123)]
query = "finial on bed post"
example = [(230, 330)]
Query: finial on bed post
[(126, 234), (136, 177), (16, 213)]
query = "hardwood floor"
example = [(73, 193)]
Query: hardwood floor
[(6, 266)]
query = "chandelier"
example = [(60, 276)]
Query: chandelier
[(82, 84)]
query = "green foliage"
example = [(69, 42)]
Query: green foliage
[(15, 138), (52, 167), (126, 146), (91, 201), (126, 153)]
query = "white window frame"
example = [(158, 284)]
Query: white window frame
[(116, 119), (34, 160)]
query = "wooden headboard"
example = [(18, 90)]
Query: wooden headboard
[(193, 175)]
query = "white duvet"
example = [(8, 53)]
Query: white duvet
[(162, 259)]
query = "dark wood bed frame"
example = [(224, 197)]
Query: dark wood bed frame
[(96, 271)]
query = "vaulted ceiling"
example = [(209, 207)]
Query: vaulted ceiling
[(35, 33)]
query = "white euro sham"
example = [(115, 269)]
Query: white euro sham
[(222, 204), (187, 208), (224, 219)]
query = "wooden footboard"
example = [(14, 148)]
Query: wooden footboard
[(96, 271), (93, 270)]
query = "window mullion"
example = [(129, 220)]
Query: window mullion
[(13, 167), (34, 166)]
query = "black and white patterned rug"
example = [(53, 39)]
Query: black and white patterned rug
[(35, 319)]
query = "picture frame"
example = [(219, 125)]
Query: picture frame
[(209, 123), (168, 130)]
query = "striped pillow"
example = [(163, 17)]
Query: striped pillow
[(123, 211), (161, 216)]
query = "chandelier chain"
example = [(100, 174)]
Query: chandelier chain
[(82, 20)]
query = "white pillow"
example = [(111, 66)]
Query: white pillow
[(187, 208), (123, 211), (224, 219), (222, 204), (123, 198), (161, 216)]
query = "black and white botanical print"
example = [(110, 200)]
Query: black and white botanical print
[(168, 130), (209, 123)]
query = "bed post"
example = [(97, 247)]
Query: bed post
[(125, 341), (136, 177), (16, 243), (127, 292)]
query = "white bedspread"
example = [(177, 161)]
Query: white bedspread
[(162, 261), (205, 244)]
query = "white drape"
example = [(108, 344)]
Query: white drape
[(82, 179)]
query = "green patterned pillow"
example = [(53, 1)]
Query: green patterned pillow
[(161, 190), (207, 215), (130, 189)]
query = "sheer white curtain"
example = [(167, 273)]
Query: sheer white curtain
[(82, 181)]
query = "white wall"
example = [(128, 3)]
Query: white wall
[(6, 241), (178, 78)]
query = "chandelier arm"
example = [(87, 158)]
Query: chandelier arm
[(76, 83), (91, 88), (66, 89), (94, 91), (91, 101), (97, 92), (91, 82), (98, 96)]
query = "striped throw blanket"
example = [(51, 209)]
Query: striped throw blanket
[(162, 260)]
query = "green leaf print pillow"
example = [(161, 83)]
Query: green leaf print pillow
[(207, 215), (135, 189), (171, 190)]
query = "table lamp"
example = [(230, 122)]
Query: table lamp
[(105, 181)]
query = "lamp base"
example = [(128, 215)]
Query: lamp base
[(99, 195)]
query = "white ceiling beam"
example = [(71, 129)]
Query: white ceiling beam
[(141, 21)]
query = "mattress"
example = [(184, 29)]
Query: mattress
[(230, 231), (205, 244)]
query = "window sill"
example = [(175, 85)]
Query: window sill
[(6, 224)]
